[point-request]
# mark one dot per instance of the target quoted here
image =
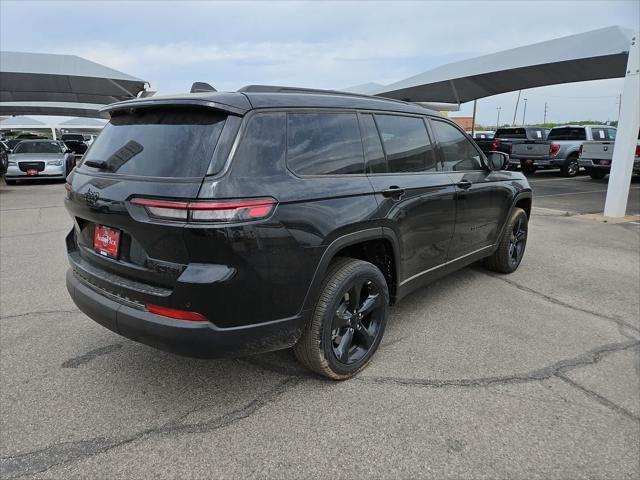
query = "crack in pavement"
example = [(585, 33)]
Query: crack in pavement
[(589, 358), (42, 460), (90, 355), (598, 398), (621, 323), (41, 312)]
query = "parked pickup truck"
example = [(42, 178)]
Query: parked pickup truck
[(560, 150), (596, 156), (506, 137)]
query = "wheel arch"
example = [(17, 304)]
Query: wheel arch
[(376, 245)]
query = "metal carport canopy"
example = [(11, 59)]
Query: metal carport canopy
[(610, 52), (43, 77), (594, 55)]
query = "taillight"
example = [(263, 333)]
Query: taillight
[(175, 313), (637, 150), (208, 211), (495, 145), (554, 148), (580, 151), (510, 150)]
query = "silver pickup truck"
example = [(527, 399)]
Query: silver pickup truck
[(596, 157), (560, 150)]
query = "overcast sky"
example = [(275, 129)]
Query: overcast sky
[(322, 44)]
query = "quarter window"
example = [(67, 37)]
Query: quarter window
[(612, 133), (324, 144), (457, 151), (406, 143)]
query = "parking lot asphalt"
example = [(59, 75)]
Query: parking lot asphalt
[(580, 194), (531, 375)]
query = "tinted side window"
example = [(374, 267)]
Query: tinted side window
[(324, 144), (407, 143), (458, 153), (612, 133), (373, 153), (599, 134)]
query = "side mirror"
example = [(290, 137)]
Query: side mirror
[(497, 161)]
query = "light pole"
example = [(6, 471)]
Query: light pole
[(524, 112), (498, 120)]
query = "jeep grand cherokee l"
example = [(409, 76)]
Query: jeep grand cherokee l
[(217, 223)]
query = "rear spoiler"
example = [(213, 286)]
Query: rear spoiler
[(107, 110)]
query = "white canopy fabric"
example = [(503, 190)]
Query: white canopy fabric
[(593, 55), (39, 77), (51, 108), (21, 121)]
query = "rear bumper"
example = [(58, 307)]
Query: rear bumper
[(539, 162), (191, 339)]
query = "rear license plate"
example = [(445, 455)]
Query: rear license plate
[(604, 162), (106, 241), (32, 171)]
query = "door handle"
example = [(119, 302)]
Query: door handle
[(464, 184), (393, 192)]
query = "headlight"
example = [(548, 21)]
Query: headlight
[(56, 163), (13, 164)]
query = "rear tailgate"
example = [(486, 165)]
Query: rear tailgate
[(530, 149), (155, 154), (597, 151)]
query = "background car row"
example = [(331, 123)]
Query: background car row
[(567, 148), (32, 157)]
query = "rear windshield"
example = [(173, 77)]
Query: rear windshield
[(512, 133), (567, 133), (176, 142), (38, 147)]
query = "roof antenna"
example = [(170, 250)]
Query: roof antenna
[(199, 87)]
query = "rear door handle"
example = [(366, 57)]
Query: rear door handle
[(393, 192), (464, 184)]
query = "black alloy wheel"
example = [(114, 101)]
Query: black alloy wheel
[(356, 322), (508, 256), (348, 320), (518, 240)]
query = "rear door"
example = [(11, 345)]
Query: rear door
[(482, 197), (159, 153), (416, 198)]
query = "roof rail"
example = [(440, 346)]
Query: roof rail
[(282, 89)]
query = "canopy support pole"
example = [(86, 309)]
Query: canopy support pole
[(626, 137)]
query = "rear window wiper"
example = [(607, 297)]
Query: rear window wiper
[(100, 164)]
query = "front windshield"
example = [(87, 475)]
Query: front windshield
[(38, 147)]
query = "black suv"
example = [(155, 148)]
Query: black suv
[(215, 224)]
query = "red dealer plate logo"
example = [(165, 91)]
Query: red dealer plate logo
[(32, 171), (106, 241)]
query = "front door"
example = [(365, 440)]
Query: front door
[(483, 197)]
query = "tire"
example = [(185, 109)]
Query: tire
[(597, 174), (337, 343), (572, 167), (508, 255)]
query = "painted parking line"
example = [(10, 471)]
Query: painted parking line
[(578, 193)]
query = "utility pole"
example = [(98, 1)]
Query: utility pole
[(524, 113), (515, 112), (473, 121), (545, 113), (498, 120)]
